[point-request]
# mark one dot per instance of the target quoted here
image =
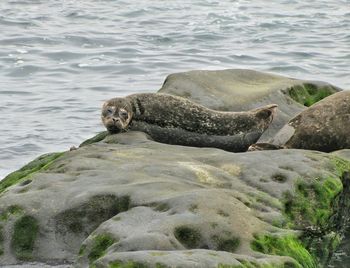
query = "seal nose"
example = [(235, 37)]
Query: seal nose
[(115, 120)]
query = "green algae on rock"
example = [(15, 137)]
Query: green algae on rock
[(11, 210), (99, 246), (188, 236), (156, 210), (310, 206), (284, 245), (24, 236), (89, 215), (131, 264), (98, 137), (38, 164), (174, 215), (307, 94)]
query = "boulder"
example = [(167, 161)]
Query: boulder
[(323, 127), (243, 90), (127, 201)]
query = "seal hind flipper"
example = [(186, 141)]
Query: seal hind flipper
[(263, 147)]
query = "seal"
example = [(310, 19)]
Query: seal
[(175, 120), (324, 127)]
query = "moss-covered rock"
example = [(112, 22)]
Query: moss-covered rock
[(284, 245), (310, 205), (302, 190), (307, 93), (11, 210), (98, 137), (99, 246), (267, 208), (130, 264), (188, 236), (24, 237), (38, 164), (87, 216)]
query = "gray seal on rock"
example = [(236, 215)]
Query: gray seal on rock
[(324, 126), (176, 120)]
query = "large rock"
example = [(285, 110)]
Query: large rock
[(242, 90), (126, 201), (323, 127), (131, 202)]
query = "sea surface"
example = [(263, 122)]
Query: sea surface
[(59, 60)]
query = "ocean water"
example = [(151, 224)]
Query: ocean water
[(59, 60)]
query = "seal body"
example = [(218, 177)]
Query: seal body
[(175, 120), (325, 126)]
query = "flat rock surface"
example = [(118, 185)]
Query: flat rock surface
[(156, 204)]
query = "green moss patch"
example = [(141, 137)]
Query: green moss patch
[(88, 216), (99, 137), (82, 250), (100, 244), (311, 204), (40, 163), (340, 165), (287, 245), (229, 245), (24, 235), (250, 264), (188, 236), (308, 94), (130, 264), (11, 210), (226, 244)]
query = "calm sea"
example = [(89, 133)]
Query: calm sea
[(59, 60)]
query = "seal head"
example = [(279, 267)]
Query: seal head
[(117, 114)]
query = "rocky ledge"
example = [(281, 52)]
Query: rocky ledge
[(126, 201)]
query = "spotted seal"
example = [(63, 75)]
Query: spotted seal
[(325, 126), (175, 120)]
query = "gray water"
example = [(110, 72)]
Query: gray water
[(59, 60)]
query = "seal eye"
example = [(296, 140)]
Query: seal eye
[(109, 110), (123, 113)]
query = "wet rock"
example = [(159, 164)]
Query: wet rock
[(323, 127), (243, 90), (128, 200)]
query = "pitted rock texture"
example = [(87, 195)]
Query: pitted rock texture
[(128, 200)]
